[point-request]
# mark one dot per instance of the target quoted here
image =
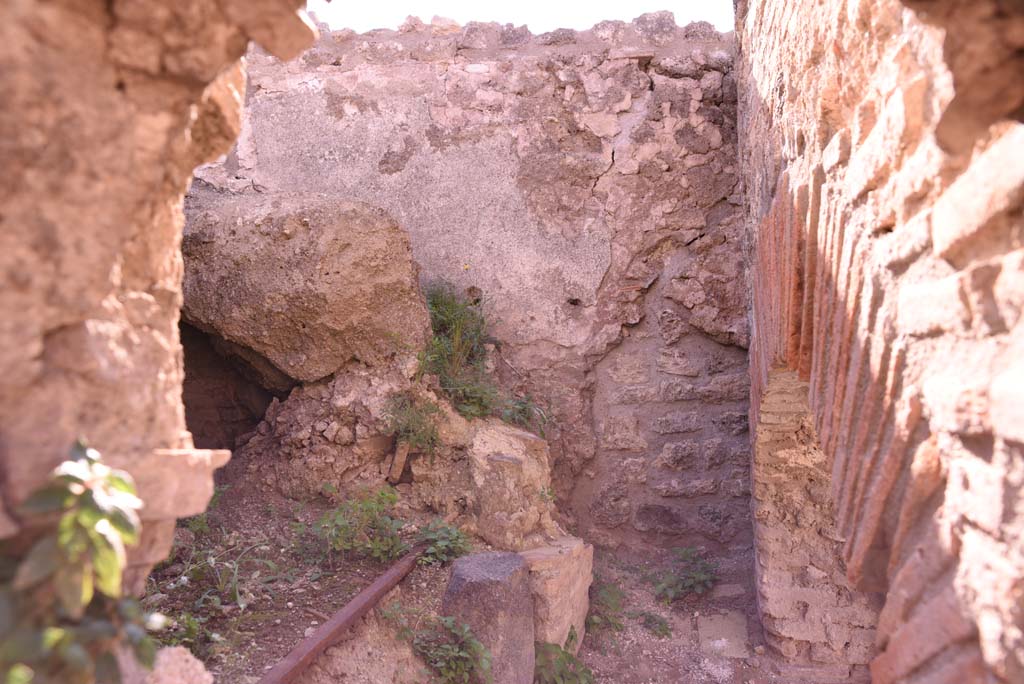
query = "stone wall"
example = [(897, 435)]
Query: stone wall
[(586, 182), (108, 107), (883, 192)]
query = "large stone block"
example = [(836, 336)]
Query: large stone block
[(307, 281), (560, 578), (510, 474), (491, 593)]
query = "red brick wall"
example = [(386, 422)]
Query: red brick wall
[(886, 235)]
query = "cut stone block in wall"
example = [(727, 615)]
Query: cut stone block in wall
[(884, 218), (810, 612)]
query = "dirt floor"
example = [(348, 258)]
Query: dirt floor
[(248, 580)]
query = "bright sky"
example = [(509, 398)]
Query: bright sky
[(540, 15)]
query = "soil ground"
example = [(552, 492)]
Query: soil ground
[(248, 580)]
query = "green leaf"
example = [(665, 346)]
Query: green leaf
[(73, 472), (127, 522), (71, 537), (108, 558), (74, 588), (107, 669), (122, 482), (51, 638), (40, 563), (19, 674), (49, 499), (145, 652)]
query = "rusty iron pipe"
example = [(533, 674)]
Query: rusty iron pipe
[(310, 648)]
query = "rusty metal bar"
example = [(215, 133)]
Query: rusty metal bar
[(310, 648)]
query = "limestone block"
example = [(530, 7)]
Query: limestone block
[(560, 578), (724, 635), (510, 471), (307, 281), (490, 592)]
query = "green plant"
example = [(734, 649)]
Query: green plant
[(606, 608), (452, 653), (62, 612), (456, 353), (413, 420), (558, 665), (444, 543), (449, 648), (186, 630), (653, 623), (525, 413), (692, 574), (363, 526)]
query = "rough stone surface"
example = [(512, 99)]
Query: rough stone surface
[(586, 183), (560, 578), (306, 281), (492, 478), (108, 107), (809, 610), (510, 474), (724, 635), (173, 665), (885, 223), (490, 592), (369, 653)]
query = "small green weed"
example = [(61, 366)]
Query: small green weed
[(448, 647), (186, 630), (457, 355), (557, 665), (525, 413), (653, 623), (606, 608), (692, 574), (445, 543), (413, 421), (363, 526)]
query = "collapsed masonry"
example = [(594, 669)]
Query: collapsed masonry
[(588, 184)]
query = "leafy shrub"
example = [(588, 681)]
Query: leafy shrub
[(457, 355), (654, 623), (606, 608), (452, 652), (558, 665), (412, 421), (363, 526), (62, 612), (525, 413), (693, 574), (449, 648), (444, 543)]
